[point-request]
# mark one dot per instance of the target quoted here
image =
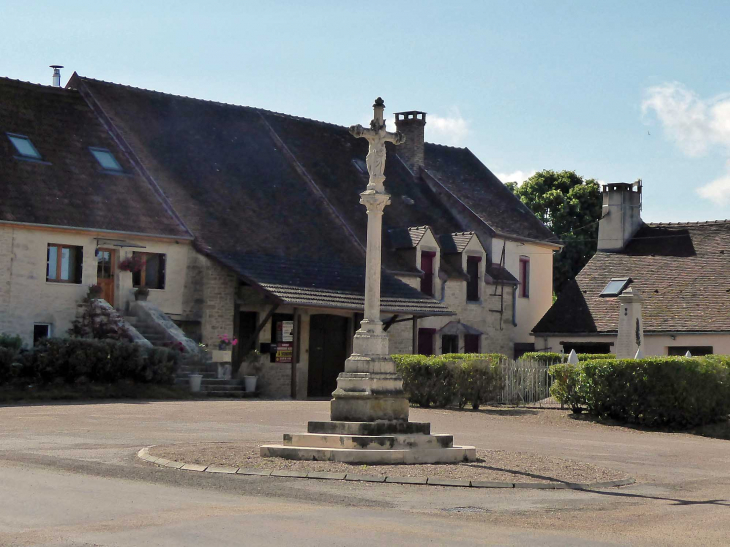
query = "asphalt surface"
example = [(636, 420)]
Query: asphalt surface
[(69, 476)]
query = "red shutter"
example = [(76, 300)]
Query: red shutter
[(427, 267), (471, 343)]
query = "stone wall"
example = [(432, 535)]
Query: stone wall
[(219, 298), (26, 298), (275, 380), (6, 267)]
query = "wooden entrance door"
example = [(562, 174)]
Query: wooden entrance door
[(327, 353), (105, 273)]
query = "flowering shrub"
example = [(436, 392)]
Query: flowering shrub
[(134, 263), (225, 341)]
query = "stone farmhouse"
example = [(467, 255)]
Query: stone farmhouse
[(250, 226), (679, 269)]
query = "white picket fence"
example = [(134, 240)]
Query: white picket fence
[(526, 382)]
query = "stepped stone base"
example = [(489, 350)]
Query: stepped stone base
[(369, 428), (382, 442), (455, 454)]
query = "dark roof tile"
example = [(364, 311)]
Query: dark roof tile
[(681, 269), (69, 188)]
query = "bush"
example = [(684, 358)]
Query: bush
[(74, 361), (565, 386), (655, 392), (426, 379), (478, 381), (441, 380), (594, 356), (544, 357), (8, 341)]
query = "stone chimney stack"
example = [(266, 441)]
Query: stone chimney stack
[(630, 324), (411, 124), (620, 216)]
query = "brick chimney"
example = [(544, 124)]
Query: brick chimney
[(411, 124), (620, 215)]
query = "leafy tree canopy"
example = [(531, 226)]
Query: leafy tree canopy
[(570, 206)]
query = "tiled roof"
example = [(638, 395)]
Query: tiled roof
[(406, 238), (457, 328), (249, 182), (464, 176), (496, 273), (69, 188), (330, 284), (456, 242), (681, 269)]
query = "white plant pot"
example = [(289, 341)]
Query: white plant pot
[(195, 380), (249, 383)]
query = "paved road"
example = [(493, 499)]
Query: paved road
[(69, 477)]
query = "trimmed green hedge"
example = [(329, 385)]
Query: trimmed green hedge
[(595, 356), (552, 358), (442, 380), (655, 392), (70, 361), (544, 357)]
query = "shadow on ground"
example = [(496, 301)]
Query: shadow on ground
[(720, 430)]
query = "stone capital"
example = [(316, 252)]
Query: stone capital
[(630, 295), (374, 201)]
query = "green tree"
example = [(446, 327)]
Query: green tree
[(570, 206)]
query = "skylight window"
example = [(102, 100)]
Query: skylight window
[(616, 286), (24, 147), (106, 159)]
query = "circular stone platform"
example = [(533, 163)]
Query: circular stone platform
[(496, 468)]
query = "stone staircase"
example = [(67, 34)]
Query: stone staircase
[(210, 385)]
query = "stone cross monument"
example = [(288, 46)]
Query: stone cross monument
[(369, 410), (370, 389)]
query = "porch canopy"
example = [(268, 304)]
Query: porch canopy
[(331, 284)]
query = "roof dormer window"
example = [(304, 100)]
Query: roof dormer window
[(24, 147), (106, 159), (615, 287)]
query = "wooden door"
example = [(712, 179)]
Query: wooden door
[(106, 272), (327, 353)]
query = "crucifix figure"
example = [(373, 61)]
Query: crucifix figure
[(377, 136)]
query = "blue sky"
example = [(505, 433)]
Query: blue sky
[(614, 90)]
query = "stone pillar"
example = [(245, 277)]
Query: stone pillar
[(370, 389), (630, 324)]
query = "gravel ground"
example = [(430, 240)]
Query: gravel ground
[(491, 465)]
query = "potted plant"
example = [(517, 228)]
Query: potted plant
[(135, 264), (254, 366), (225, 343), (141, 293)]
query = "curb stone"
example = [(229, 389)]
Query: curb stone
[(221, 469), (144, 454), (287, 473)]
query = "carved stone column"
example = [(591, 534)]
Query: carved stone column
[(370, 389)]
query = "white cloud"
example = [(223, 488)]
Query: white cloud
[(516, 176), (451, 129), (695, 125), (718, 190)]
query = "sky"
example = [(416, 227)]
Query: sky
[(613, 90)]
